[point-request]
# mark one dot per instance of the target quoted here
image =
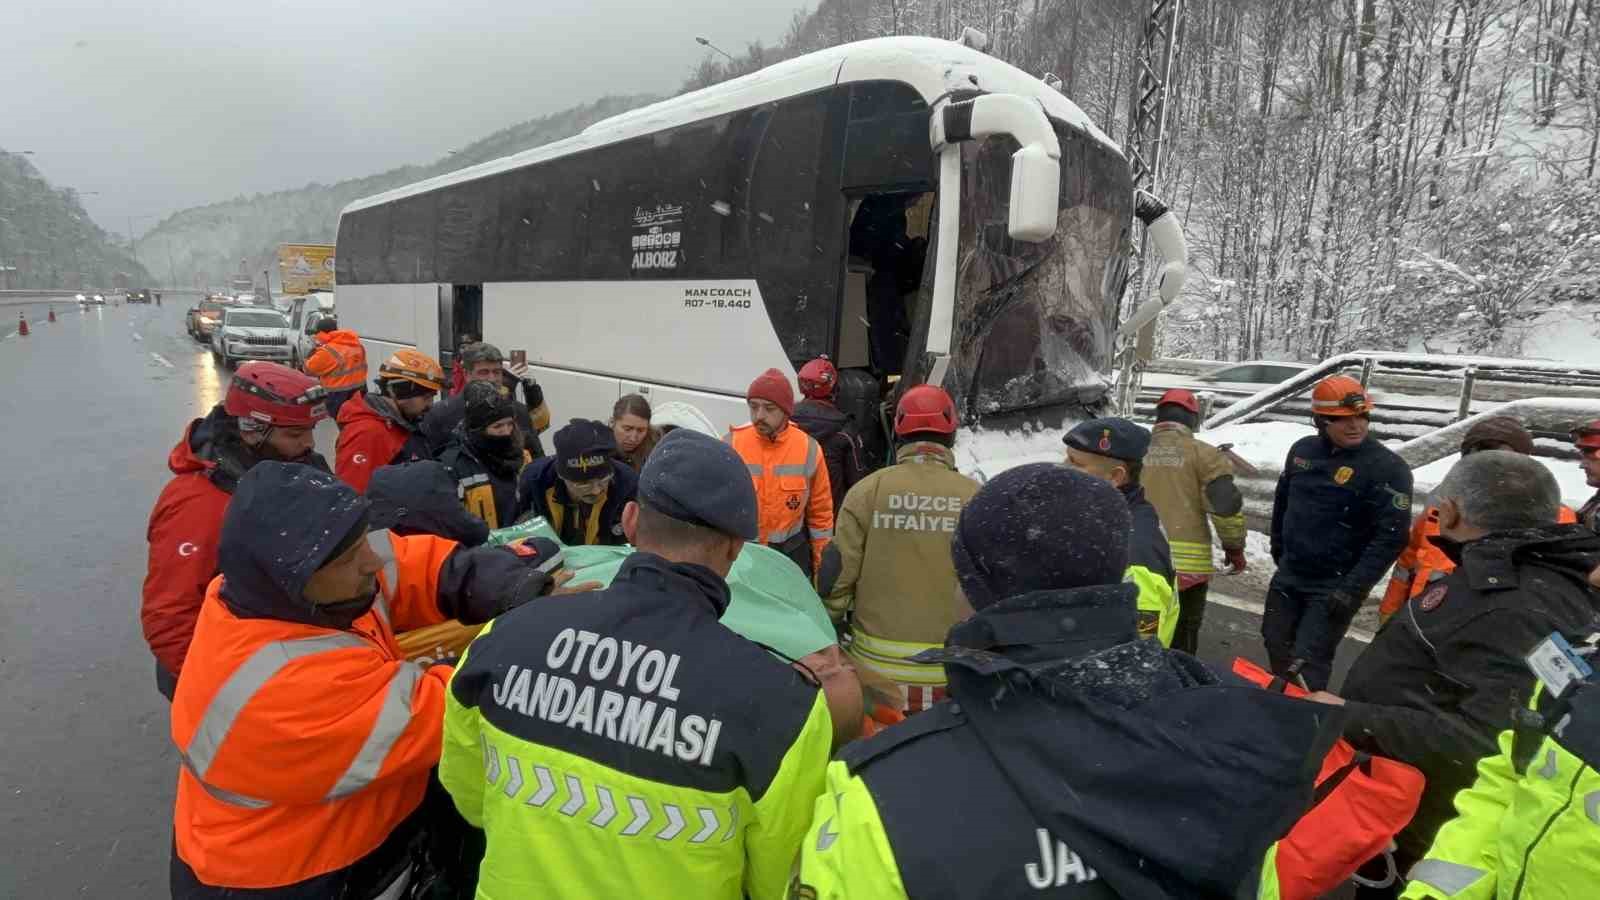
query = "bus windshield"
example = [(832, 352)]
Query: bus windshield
[(1033, 322)]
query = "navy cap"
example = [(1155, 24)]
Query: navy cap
[(700, 480), (583, 450), (1111, 436)]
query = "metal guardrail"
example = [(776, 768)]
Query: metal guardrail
[(1471, 371)]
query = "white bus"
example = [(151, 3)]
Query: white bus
[(914, 209)]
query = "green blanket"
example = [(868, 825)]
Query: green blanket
[(773, 601)]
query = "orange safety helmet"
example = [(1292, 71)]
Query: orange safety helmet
[(1587, 437), (1338, 396), (413, 366), (925, 407)]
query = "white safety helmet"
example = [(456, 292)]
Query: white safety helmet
[(677, 414)]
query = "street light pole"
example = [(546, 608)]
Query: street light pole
[(705, 43)]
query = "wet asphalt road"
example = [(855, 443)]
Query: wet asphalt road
[(91, 407)]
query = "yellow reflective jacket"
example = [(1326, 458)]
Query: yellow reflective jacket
[(1526, 829), (1184, 479), (896, 581)]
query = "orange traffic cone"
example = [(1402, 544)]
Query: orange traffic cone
[(22, 324), (52, 316)]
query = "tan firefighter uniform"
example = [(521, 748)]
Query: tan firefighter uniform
[(1179, 471), (896, 583)]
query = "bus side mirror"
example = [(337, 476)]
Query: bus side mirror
[(1035, 189)]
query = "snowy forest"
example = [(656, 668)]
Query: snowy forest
[(1351, 173), (48, 240)]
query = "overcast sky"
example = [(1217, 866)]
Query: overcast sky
[(165, 104)]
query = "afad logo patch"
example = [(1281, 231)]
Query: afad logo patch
[(793, 502), (1432, 598)]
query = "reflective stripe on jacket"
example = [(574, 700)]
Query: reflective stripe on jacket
[(792, 490), (1525, 829), (303, 747), (1421, 563), (896, 582), (1150, 568), (339, 362)]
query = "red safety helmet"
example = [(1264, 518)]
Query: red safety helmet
[(1180, 397), (1338, 396), (1587, 437), (819, 379), (925, 408), (275, 395)]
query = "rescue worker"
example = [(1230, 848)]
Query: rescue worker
[(581, 491), (487, 456), (631, 745), (1422, 562), (786, 468), (1444, 678), (339, 362), (1339, 520), (895, 592), (269, 412), (423, 497), (630, 426), (1528, 823), (1113, 450), (381, 428), (1586, 440), (1190, 484), (306, 741), (834, 432), (1072, 758), (484, 362)]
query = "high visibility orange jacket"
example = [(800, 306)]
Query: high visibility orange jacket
[(305, 746), (1421, 563), (792, 491), (339, 362)]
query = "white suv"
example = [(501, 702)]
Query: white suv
[(250, 333)]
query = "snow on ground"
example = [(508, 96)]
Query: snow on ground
[(983, 454)]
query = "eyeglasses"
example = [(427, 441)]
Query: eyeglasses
[(592, 485)]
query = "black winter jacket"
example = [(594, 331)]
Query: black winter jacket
[(841, 446), (439, 426), (486, 492), (1444, 676), (542, 493), (1340, 517), (422, 498), (1064, 730)]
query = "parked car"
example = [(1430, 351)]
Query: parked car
[(138, 295), (250, 333), (1251, 375), (204, 317), (304, 314)]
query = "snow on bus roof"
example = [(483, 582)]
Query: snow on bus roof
[(933, 67)]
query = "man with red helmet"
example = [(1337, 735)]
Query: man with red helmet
[(1587, 440), (269, 412), (1340, 518), (888, 577), (1190, 483), (383, 427), (819, 417)]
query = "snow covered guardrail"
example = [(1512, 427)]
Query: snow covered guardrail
[(1264, 445), (1425, 371)]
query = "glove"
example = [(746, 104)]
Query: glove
[(1236, 560), (1346, 602)]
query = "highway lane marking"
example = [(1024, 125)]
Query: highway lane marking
[(1256, 609), (161, 359)]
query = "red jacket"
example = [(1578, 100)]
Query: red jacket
[(183, 532), (372, 434)]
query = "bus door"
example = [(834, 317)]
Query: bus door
[(460, 319)]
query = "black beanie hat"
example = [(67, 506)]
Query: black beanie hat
[(486, 405), (1040, 527)]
